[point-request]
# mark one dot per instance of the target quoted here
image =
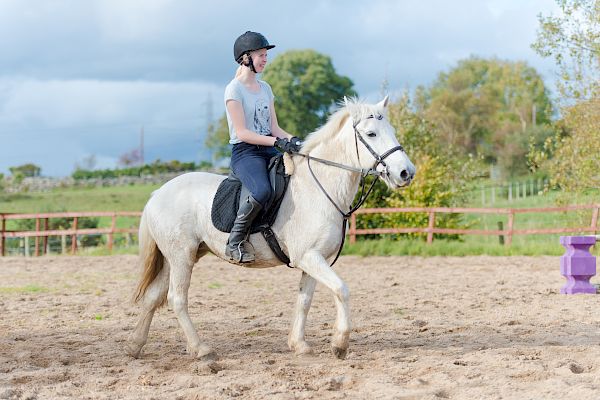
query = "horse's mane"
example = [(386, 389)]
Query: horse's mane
[(352, 107)]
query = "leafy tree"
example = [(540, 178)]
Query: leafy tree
[(306, 86), (573, 40), (570, 157), (217, 138), (26, 170), (489, 107)]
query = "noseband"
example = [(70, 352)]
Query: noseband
[(379, 160)]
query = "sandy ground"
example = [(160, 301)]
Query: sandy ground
[(423, 328)]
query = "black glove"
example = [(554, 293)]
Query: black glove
[(296, 142), (288, 146)]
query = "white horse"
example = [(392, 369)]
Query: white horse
[(176, 228)]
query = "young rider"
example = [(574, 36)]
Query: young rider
[(254, 134)]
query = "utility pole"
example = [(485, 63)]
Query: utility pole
[(142, 146)]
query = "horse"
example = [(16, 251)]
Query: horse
[(176, 229)]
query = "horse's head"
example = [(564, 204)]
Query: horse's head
[(377, 146)]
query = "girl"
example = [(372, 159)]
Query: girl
[(254, 134)]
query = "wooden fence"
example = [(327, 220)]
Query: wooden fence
[(507, 233), (41, 232)]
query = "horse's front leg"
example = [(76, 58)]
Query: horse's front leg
[(296, 341), (314, 264)]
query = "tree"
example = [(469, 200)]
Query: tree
[(130, 158), (26, 170), (217, 138), (489, 107), (306, 86), (573, 40)]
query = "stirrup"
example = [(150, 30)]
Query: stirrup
[(240, 253)]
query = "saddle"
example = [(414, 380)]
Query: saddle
[(227, 200)]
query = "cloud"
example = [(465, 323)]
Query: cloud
[(55, 123)]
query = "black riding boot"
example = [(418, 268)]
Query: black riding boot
[(248, 210)]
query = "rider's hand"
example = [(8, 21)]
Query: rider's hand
[(296, 143), (288, 146)]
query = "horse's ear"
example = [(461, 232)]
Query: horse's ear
[(384, 103)]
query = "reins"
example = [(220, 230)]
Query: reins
[(379, 159)]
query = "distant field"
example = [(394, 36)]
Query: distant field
[(118, 198)]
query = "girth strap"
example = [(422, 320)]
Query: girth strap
[(274, 245)]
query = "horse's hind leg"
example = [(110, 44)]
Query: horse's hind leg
[(154, 297), (296, 341), (181, 273), (314, 264)]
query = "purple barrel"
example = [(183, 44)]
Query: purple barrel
[(577, 265)]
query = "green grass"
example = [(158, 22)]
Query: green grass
[(28, 289)]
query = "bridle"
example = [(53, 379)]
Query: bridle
[(379, 160)]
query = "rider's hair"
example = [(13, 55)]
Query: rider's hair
[(243, 63)]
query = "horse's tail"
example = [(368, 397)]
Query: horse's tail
[(151, 259)]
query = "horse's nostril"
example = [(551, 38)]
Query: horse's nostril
[(404, 174)]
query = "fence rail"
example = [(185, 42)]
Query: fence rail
[(42, 232), (507, 233)]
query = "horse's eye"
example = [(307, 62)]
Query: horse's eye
[(371, 134)]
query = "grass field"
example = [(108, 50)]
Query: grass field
[(133, 198)]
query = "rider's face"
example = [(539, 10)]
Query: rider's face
[(259, 59)]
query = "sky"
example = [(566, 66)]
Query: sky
[(80, 80)]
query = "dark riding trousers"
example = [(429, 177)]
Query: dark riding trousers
[(249, 163)]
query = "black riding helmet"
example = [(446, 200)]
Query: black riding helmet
[(248, 42)]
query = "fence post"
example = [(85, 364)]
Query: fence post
[(501, 236), (594, 223), (74, 237), (111, 234), (37, 238), (45, 249), (2, 230), (430, 227), (353, 228), (511, 219)]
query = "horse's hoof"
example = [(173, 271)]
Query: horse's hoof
[(303, 350), (339, 352), (133, 350), (207, 355)]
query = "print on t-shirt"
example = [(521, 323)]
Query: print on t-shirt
[(262, 118)]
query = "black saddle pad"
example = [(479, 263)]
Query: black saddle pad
[(227, 199)]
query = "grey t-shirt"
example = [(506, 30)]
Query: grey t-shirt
[(257, 107)]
